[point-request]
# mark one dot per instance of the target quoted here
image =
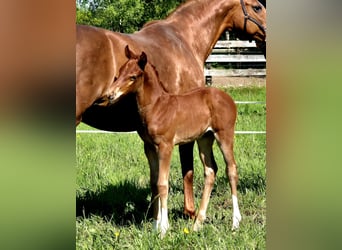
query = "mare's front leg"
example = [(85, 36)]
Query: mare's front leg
[(205, 145), (187, 163), (164, 154), (85, 96)]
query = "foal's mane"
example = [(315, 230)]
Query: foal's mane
[(152, 67), (157, 76)]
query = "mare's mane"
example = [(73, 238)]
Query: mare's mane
[(185, 9), (151, 23)]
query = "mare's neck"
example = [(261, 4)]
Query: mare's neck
[(151, 89), (201, 23)]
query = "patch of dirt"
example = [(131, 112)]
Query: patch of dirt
[(238, 81)]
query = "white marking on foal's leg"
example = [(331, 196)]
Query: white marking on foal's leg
[(164, 222), (201, 216), (156, 222), (236, 213)]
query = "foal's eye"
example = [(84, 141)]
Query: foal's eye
[(257, 8), (133, 78)]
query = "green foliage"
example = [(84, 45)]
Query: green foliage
[(159, 9), (122, 15), (118, 15), (113, 194)]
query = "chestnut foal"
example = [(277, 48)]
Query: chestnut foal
[(204, 114)]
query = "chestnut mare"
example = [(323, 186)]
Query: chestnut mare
[(187, 35), (203, 114)]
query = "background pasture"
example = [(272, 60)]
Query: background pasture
[(113, 194)]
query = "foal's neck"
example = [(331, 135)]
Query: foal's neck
[(151, 89)]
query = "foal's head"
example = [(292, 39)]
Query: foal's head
[(131, 76)]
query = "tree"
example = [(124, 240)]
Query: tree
[(159, 9), (122, 15)]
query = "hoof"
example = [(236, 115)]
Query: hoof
[(197, 226), (236, 222), (191, 214), (161, 228)]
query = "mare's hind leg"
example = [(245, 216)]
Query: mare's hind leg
[(187, 163), (152, 157), (205, 145), (226, 140)]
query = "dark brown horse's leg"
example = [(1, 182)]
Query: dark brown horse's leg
[(205, 145), (187, 162)]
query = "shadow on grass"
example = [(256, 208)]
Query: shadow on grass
[(255, 183), (124, 204)]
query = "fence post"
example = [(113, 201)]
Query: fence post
[(208, 78)]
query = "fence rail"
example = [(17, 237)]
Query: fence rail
[(234, 44), (234, 72), (243, 56), (235, 58)]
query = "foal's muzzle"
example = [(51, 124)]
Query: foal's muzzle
[(111, 99)]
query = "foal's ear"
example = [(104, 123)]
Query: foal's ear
[(128, 52), (142, 60)]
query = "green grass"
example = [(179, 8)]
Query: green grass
[(113, 194)]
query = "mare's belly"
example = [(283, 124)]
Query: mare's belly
[(120, 117)]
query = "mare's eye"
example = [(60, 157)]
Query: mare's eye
[(133, 78), (257, 8)]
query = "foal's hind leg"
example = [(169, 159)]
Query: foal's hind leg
[(226, 140), (205, 145)]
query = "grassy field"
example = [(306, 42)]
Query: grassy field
[(113, 194)]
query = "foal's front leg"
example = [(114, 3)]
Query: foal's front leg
[(152, 157), (164, 154)]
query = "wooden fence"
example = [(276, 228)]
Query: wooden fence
[(231, 58)]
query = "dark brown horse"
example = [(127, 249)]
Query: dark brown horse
[(169, 120), (187, 35)]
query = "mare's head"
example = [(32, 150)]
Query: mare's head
[(249, 20), (131, 76)]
